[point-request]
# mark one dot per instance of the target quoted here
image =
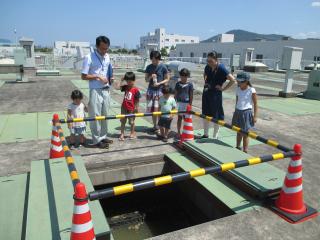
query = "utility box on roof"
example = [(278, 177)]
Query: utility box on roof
[(291, 58), (313, 90), (235, 60), (20, 56)]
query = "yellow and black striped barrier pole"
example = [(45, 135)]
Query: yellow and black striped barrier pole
[(154, 182), (250, 134), (119, 116), (69, 159)]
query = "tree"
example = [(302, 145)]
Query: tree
[(164, 52), (43, 49), (172, 48), (134, 51), (123, 50)]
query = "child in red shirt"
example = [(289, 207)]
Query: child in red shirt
[(130, 103)]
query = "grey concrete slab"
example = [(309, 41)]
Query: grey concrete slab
[(35, 96)]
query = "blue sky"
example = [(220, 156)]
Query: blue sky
[(125, 20)]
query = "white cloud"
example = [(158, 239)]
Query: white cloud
[(311, 34), (315, 4)]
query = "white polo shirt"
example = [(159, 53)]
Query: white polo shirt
[(95, 64), (245, 98)]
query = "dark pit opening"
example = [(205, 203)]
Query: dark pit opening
[(152, 212)]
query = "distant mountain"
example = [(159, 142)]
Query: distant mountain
[(2, 40), (242, 35)]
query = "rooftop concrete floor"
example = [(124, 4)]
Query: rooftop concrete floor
[(43, 94)]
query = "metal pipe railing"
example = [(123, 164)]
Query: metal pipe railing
[(250, 134), (119, 116), (154, 182)]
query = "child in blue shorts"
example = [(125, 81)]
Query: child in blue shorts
[(167, 103)]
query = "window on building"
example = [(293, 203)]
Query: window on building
[(183, 40), (192, 41), (181, 54), (176, 40), (167, 40), (249, 56), (316, 59), (191, 54), (219, 55), (204, 55), (259, 57), (28, 50)]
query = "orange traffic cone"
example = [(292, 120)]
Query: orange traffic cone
[(290, 204), (56, 150), (187, 131), (82, 226)]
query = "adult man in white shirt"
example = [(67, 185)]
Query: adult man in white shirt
[(97, 70)]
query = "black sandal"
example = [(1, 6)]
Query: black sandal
[(204, 136), (102, 145), (108, 141)]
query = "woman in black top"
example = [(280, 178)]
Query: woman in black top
[(215, 75)]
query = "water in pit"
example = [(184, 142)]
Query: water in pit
[(151, 212)]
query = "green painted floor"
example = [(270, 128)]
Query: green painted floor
[(8, 76), (291, 106), (84, 87), (37, 126), (65, 72), (27, 126), (267, 88)]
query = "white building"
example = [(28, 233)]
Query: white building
[(160, 39), (225, 37), (267, 52), (69, 47), (8, 51)]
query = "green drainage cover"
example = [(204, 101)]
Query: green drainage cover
[(13, 206), (264, 178), (50, 204), (233, 198), (27, 126)]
